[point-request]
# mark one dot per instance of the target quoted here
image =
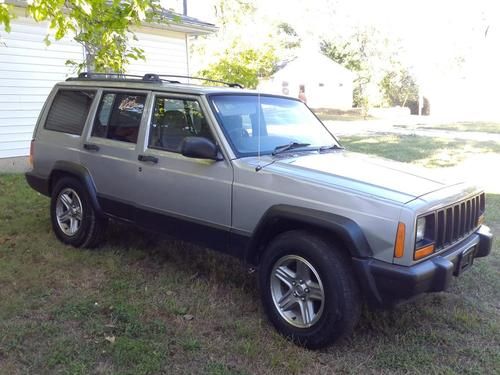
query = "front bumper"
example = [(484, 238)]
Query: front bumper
[(386, 284)]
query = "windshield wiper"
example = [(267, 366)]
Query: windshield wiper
[(331, 147), (288, 147)]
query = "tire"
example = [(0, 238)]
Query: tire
[(323, 290), (74, 220)]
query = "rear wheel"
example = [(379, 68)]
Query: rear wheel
[(74, 219), (308, 289)]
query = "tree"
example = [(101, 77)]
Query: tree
[(236, 53), (102, 27), (342, 53), (352, 56), (400, 89), (289, 37), (5, 15), (369, 54), (242, 66), (230, 12)]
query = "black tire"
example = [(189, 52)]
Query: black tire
[(92, 226), (341, 304)]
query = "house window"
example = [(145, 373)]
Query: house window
[(284, 88)]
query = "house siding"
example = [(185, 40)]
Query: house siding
[(29, 69), (165, 53)]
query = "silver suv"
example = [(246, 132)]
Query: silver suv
[(259, 177)]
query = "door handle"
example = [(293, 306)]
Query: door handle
[(152, 159), (90, 147)]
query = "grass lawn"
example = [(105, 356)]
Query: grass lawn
[(142, 305), (327, 114), (464, 126), (346, 117), (425, 151)]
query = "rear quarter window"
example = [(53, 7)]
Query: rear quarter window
[(69, 111)]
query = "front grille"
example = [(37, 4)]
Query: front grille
[(456, 221)]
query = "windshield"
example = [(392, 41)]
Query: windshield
[(268, 122)]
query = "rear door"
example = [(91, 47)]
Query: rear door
[(110, 149), (189, 197)]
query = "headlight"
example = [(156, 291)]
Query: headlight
[(420, 229)]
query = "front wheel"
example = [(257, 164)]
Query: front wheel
[(308, 289)]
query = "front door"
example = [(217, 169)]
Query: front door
[(190, 198)]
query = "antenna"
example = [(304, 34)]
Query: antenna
[(258, 132), (259, 113)]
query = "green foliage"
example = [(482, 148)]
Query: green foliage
[(353, 57), (102, 27), (399, 88), (380, 74), (342, 53), (244, 49), (353, 53), (289, 38), (5, 15), (243, 67), (233, 11)]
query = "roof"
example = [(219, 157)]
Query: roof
[(177, 22), (311, 62), (187, 24)]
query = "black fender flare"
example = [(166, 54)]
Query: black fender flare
[(347, 230), (82, 174)]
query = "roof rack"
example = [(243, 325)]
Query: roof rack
[(149, 77), (152, 78), (230, 84)]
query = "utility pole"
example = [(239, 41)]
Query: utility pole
[(185, 7)]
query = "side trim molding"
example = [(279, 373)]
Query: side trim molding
[(205, 234)]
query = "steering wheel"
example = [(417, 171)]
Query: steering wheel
[(238, 133)]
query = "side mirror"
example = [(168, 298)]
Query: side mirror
[(199, 148)]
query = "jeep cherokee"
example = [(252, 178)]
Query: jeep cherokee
[(260, 177)]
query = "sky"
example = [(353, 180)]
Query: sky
[(452, 46)]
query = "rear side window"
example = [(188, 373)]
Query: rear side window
[(119, 116), (69, 111)]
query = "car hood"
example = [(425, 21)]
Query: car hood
[(370, 175)]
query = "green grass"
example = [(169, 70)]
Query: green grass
[(121, 309), (328, 114), (426, 151), (465, 126), (346, 117)]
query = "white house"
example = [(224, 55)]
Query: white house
[(29, 69), (326, 83)]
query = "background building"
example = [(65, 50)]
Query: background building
[(326, 83)]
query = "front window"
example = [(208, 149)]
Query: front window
[(265, 123), (175, 119)]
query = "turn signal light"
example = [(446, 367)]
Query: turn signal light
[(399, 246), (480, 220), (423, 252)]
